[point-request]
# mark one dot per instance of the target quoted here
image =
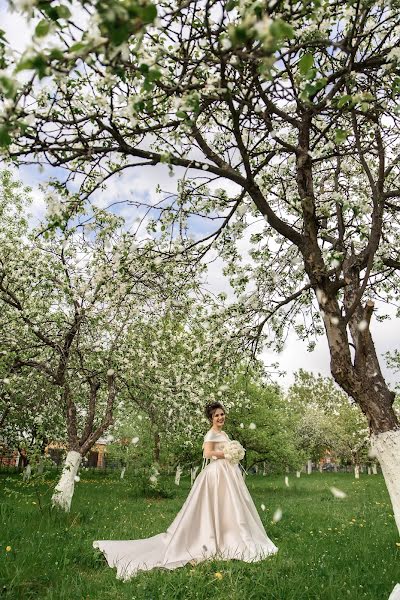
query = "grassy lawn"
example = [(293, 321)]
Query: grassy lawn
[(330, 548)]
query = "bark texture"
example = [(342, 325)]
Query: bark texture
[(64, 490)]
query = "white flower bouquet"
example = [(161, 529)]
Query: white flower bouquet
[(233, 451)]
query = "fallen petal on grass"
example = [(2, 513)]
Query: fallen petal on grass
[(338, 493)]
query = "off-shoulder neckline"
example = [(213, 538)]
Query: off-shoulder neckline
[(218, 432)]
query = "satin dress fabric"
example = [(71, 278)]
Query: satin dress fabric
[(218, 520)]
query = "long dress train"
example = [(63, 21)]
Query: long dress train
[(218, 520)]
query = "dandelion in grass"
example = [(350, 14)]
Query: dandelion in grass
[(218, 575), (277, 516), (8, 548), (337, 493)]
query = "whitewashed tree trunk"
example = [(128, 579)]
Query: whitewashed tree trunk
[(298, 474), (64, 491), (122, 473), (374, 469), (386, 448), (178, 475), (356, 471), (369, 471), (264, 468), (27, 473), (309, 467)]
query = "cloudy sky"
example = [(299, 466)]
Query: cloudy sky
[(142, 183)]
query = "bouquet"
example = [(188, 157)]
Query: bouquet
[(233, 451)]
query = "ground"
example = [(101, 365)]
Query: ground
[(329, 548)]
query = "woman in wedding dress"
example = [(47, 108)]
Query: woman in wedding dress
[(218, 519)]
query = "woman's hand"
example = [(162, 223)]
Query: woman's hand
[(209, 451)]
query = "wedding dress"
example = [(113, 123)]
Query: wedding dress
[(218, 520)]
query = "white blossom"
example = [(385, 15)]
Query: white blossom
[(337, 493), (277, 516), (362, 326)]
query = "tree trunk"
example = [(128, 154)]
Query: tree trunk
[(40, 466), (27, 473), (157, 447), (361, 378), (178, 475), (386, 447), (298, 474), (122, 472), (309, 467), (357, 471), (64, 490)]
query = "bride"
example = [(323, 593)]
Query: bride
[(218, 519)]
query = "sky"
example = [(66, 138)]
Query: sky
[(142, 183)]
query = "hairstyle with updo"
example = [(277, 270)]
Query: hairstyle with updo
[(211, 408)]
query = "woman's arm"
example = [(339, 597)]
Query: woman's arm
[(209, 451)]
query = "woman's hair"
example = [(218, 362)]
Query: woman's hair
[(211, 408)]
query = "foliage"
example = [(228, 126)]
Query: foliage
[(89, 302), (326, 420), (265, 428), (293, 106)]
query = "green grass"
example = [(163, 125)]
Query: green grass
[(329, 549)]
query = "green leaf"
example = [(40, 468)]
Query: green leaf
[(311, 74), (77, 47), (344, 100), (5, 139), (305, 63), (281, 30), (63, 11), (396, 85), (148, 13), (231, 5), (144, 69), (56, 54), (36, 63), (7, 86), (42, 28), (341, 135)]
